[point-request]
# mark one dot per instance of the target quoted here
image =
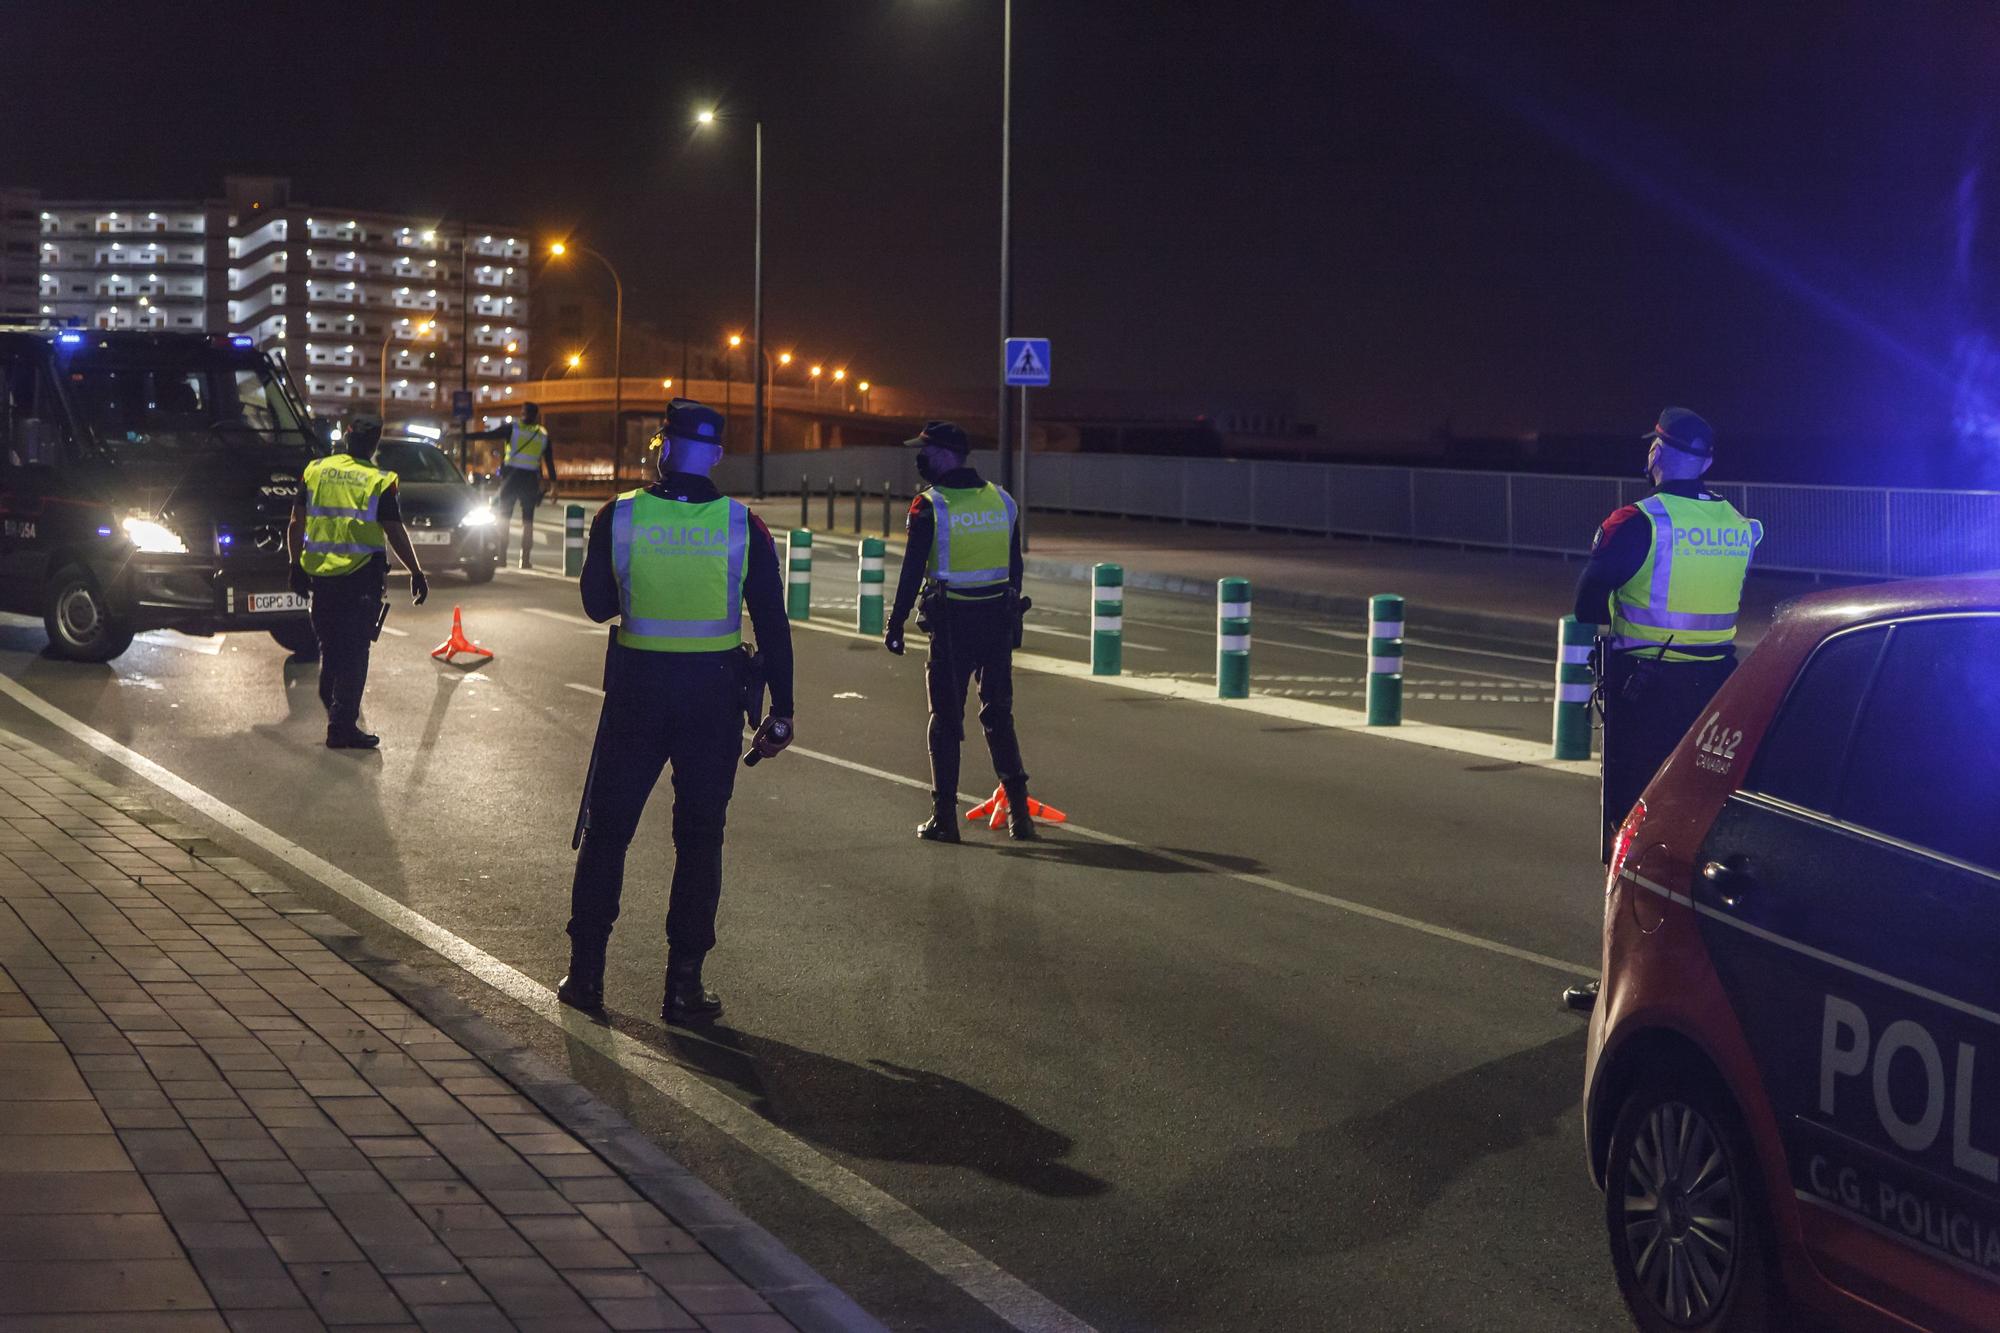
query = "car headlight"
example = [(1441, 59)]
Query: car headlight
[(152, 537), (480, 517)]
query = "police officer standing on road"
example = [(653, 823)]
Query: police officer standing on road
[(964, 549), (678, 563), (340, 529), (1666, 575), (529, 452)]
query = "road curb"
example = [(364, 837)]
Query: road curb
[(793, 1287)]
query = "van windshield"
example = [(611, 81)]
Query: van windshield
[(134, 408)]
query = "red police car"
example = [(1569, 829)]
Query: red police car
[(1793, 1084)]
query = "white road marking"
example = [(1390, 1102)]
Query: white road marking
[(583, 689), (1431, 643), (1072, 634), (536, 573), (1012, 1300), (395, 633), (187, 643), (1267, 641), (1241, 876), (1460, 740), (565, 617)]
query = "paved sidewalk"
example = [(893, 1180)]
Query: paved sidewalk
[(211, 1121), (1470, 591)]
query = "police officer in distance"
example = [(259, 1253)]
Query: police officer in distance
[(341, 526), (1666, 576), (964, 551), (529, 451), (678, 564)]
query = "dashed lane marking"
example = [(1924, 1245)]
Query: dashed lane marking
[(580, 688), (565, 617), (395, 633), (1009, 1298)]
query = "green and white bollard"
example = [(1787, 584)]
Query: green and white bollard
[(1232, 638), (1385, 660), (1571, 738), (799, 575), (1107, 620), (572, 540), (868, 608)]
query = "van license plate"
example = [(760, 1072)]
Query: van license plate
[(276, 601), (425, 537)]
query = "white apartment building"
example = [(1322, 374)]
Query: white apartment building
[(362, 305)]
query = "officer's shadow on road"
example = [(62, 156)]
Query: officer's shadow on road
[(887, 1112)]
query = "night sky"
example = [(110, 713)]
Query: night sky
[(1496, 218)]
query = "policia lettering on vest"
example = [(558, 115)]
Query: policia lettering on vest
[(526, 453), (1665, 579), (676, 565), (340, 530), (964, 550)]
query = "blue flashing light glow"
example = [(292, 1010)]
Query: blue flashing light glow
[(242, 340), (104, 532), (225, 540), (69, 339)]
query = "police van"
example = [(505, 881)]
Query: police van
[(145, 483), (1793, 1081)]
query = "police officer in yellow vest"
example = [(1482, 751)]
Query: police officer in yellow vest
[(529, 453), (1666, 578), (964, 551), (678, 564), (340, 530)]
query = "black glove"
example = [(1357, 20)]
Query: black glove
[(892, 638), (298, 581), (769, 740), (420, 587)]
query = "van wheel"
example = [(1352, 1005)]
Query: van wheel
[(1684, 1205), (297, 638), (79, 622)]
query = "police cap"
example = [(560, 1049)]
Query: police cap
[(690, 420), (943, 434), (1683, 430)]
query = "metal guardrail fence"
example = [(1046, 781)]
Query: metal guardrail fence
[(1839, 530)]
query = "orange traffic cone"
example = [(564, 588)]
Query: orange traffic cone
[(994, 810), (458, 643)]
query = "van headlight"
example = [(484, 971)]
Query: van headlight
[(480, 517), (152, 537)]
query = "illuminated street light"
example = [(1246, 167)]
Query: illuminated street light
[(760, 359), (705, 116), (784, 358), (558, 249), (839, 375), (735, 340)]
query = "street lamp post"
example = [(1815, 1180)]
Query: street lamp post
[(708, 117), (1006, 234), (560, 248), (382, 367)]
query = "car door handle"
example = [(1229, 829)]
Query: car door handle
[(1729, 879)]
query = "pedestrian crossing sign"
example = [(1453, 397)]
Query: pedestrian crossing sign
[(1027, 361)]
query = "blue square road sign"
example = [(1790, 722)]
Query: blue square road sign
[(461, 405), (1027, 361)]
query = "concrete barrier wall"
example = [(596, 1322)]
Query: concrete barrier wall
[(1838, 530)]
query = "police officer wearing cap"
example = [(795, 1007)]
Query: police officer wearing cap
[(1665, 581), (529, 452), (342, 525), (964, 554), (677, 564)]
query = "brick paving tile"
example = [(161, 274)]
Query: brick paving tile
[(211, 1123)]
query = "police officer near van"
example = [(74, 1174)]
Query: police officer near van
[(341, 527), (678, 564), (1665, 579), (529, 453), (962, 568)]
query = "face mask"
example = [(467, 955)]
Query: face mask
[(924, 468)]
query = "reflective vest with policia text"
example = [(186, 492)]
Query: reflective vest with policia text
[(342, 497), (974, 540), (524, 447), (681, 568), (1687, 593)]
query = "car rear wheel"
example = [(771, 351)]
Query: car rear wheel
[(297, 638), (78, 619), (1684, 1206)]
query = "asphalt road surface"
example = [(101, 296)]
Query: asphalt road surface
[(1274, 1044)]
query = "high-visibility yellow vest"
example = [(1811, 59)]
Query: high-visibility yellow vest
[(524, 447), (974, 539), (1688, 591), (681, 568), (342, 496)]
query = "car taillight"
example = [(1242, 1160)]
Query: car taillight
[(1621, 846)]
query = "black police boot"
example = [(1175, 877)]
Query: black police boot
[(1020, 823), (688, 1001), (942, 826), (350, 738), (1581, 998), (583, 988)]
